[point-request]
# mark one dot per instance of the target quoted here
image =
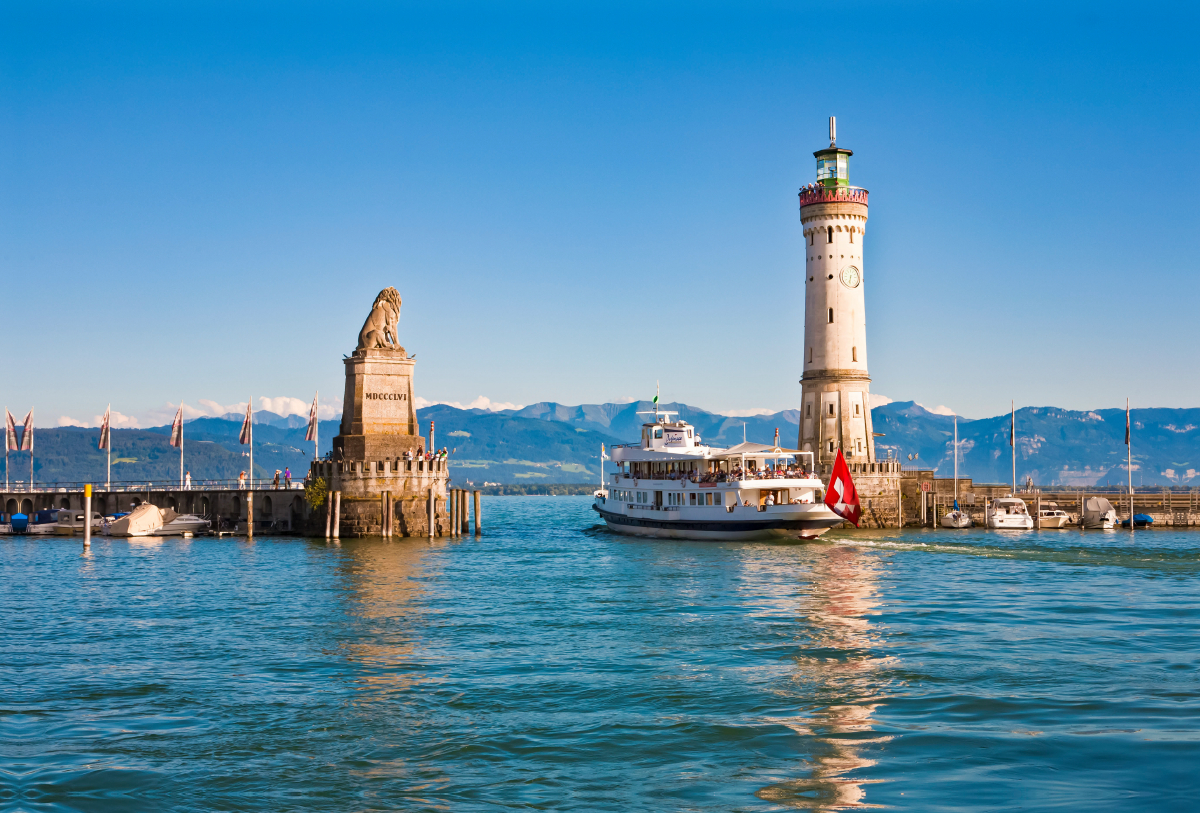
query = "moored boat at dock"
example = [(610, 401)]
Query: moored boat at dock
[(673, 486), (1009, 513)]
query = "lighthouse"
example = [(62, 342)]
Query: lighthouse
[(835, 387)]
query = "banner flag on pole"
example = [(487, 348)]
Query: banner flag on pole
[(105, 440), (312, 421), (1126, 423), (177, 428), (841, 497), (10, 432), (244, 438), (27, 433), (1012, 429)]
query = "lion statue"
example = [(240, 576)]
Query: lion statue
[(379, 331)]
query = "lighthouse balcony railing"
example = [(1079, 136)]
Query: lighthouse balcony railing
[(835, 194)]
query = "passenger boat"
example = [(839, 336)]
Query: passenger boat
[(1009, 513), (673, 486), (1051, 516), (1098, 514)]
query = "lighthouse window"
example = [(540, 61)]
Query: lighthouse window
[(831, 446), (810, 355), (856, 409), (812, 235), (852, 235), (831, 234), (854, 357), (831, 412), (808, 411), (831, 316)]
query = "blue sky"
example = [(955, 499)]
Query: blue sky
[(199, 203)]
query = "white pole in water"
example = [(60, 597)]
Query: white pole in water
[(87, 515)]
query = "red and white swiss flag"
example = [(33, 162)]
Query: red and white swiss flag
[(841, 496)]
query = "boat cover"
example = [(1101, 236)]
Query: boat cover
[(141, 521), (1098, 505)]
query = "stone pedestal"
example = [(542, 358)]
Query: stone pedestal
[(379, 425)]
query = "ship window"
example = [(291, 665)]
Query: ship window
[(689, 433), (691, 499), (831, 234), (854, 354), (831, 316), (658, 433)]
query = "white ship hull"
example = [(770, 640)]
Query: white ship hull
[(743, 524)]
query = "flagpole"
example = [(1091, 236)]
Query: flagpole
[(251, 442), (1129, 460), (181, 446), (316, 426)]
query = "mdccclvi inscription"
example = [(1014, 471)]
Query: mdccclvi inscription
[(386, 396)]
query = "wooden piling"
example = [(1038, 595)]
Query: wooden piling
[(250, 512), (1037, 521), (337, 514), (464, 513), (478, 517), (432, 508), (328, 512), (452, 511)]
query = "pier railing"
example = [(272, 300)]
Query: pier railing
[(258, 484)]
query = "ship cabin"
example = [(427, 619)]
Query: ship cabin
[(672, 467)]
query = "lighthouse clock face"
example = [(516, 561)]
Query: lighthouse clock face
[(850, 277)]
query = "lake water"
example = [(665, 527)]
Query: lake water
[(553, 665)]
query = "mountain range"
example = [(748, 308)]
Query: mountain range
[(555, 443)]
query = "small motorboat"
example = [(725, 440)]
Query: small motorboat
[(1051, 516), (1139, 521), (1098, 514), (45, 521), (70, 523), (184, 524), (18, 523), (1009, 514), (150, 520)]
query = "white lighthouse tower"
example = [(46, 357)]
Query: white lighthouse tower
[(836, 400)]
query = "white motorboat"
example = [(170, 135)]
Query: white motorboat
[(672, 486), (184, 524), (1098, 514), (1009, 513), (45, 521), (70, 523), (1051, 516), (957, 518)]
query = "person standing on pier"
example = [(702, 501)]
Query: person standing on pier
[(287, 477), (187, 482), (242, 481), (275, 482)]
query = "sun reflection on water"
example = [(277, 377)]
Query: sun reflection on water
[(839, 681)]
